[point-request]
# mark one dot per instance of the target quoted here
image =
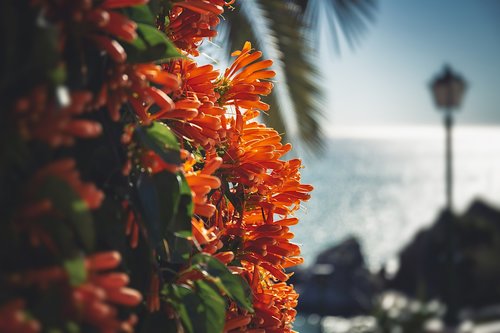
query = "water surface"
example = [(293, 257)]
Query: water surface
[(384, 184)]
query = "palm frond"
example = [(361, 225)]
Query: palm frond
[(282, 29), (347, 18), (302, 78), (277, 31)]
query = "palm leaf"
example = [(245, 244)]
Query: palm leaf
[(280, 29), (295, 97), (349, 18)]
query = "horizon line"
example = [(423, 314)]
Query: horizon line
[(409, 131)]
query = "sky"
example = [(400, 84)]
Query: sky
[(385, 79)]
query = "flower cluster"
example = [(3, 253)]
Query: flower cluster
[(148, 186)]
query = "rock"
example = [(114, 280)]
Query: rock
[(338, 283), (455, 259), (346, 255)]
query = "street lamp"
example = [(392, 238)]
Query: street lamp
[(448, 89)]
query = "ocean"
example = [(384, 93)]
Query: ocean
[(384, 184)]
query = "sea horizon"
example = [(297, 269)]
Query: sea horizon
[(408, 131)]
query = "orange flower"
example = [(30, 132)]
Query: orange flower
[(197, 79), (184, 109), (39, 118), (245, 80), (193, 20), (254, 151), (153, 297), (93, 302), (263, 187), (195, 115), (202, 235), (274, 305), (201, 183), (96, 20), (283, 191), (132, 83), (154, 163), (131, 225), (13, 318)]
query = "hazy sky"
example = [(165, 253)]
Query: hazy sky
[(385, 79)]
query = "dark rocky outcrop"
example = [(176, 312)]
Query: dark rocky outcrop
[(338, 283), (457, 259)]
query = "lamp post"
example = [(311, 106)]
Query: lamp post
[(448, 89)]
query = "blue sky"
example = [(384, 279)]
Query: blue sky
[(385, 79)]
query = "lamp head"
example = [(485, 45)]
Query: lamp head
[(448, 89)]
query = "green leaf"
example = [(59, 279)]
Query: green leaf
[(183, 234), (180, 228), (202, 309), (150, 45), (141, 14), (159, 138), (168, 189), (72, 327), (188, 205), (232, 284), (181, 222), (186, 298), (159, 196), (167, 206), (212, 317), (74, 209), (155, 6), (76, 271)]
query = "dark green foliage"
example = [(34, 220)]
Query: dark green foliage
[(151, 45), (75, 268), (159, 138), (79, 218), (232, 285), (159, 204), (202, 309)]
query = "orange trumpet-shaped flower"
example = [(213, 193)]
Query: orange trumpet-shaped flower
[(283, 192), (273, 303), (201, 183), (246, 80), (202, 123), (134, 84), (193, 20), (94, 301), (253, 152), (195, 116), (196, 79), (40, 119)]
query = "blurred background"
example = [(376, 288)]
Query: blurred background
[(385, 251)]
